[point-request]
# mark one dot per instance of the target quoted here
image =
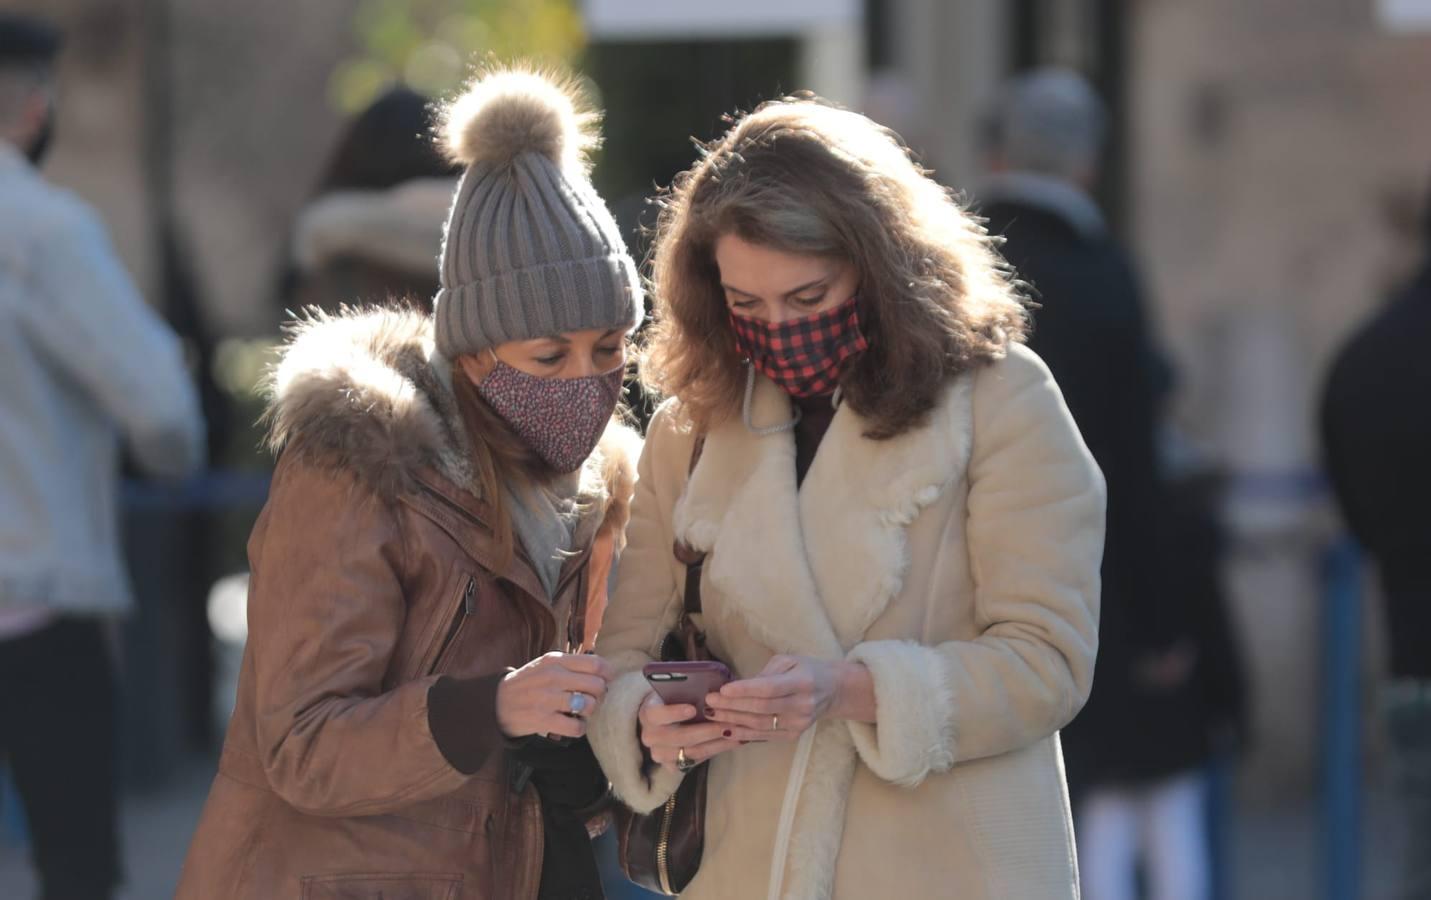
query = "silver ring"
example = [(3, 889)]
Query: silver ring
[(577, 704), (775, 722)]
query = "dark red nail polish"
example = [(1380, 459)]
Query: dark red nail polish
[(727, 733), (709, 711)]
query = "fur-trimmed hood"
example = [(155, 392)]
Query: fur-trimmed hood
[(399, 227), (366, 390)]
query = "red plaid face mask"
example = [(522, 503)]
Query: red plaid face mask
[(804, 356)]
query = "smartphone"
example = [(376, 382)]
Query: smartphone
[(687, 682)]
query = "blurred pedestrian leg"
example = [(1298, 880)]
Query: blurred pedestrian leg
[(57, 731), (1163, 825), (1107, 827), (373, 228)]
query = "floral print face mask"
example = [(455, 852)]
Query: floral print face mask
[(561, 419)]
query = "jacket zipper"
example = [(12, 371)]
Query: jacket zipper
[(663, 845), (464, 612)]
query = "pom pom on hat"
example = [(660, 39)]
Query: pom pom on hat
[(505, 113)]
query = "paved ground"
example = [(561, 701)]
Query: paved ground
[(1275, 851), (156, 834)]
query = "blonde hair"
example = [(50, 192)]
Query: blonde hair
[(804, 177)]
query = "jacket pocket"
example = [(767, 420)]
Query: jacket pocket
[(447, 635), (381, 887), (466, 606)]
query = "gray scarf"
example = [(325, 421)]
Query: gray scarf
[(545, 521)]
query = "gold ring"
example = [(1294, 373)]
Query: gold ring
[(775, 722), (682, 763)]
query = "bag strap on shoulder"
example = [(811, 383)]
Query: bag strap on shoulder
[(692, 559)]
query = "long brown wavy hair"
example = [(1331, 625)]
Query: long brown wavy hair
[(802, 176)]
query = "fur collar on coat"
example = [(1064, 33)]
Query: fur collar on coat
[(366, 389)]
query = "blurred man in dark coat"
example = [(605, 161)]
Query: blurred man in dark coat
[(1376, 436), (1091, 329), (1135, 796)]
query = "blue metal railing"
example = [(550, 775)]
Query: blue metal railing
[(1221, 822), (215, 489), (1341, 722)]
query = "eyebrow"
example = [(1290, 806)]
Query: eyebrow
[(564, 340), (795, 290)]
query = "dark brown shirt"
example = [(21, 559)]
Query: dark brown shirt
[(816, 413)]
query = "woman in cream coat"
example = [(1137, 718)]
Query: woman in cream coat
[(902, 525)]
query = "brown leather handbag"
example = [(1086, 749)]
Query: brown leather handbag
[(661, 851)]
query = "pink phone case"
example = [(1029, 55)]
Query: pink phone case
[(687, 682)]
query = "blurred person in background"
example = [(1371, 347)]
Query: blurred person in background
[(85, 368), (1189, 706), (450, 498), (373, 231), (1046, 139), (1376, 442)]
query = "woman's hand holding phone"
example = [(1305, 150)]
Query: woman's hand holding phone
[(674, 728), (667, 731), (791, 694), (552, 695)]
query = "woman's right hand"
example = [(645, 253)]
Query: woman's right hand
[(665, 733), (537, 698)]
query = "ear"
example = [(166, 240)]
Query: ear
[(476, 366), (32, 112)]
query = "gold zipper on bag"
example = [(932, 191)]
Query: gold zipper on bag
[(663, 846)]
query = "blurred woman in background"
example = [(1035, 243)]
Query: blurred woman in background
[(373, 230)]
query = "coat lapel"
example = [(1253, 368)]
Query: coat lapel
[(809, 571), (859, 497), (740, 507)]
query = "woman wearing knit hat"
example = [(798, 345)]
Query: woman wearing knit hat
[(450, 495), (902, 532)]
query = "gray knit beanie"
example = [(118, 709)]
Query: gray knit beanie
[(530, 250)]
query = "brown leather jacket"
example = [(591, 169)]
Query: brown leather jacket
[(373, 575)]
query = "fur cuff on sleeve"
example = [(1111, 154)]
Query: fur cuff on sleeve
[(914, 733), (612, 733)]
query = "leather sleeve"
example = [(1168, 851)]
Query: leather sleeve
[(326, 609), (462, 713)]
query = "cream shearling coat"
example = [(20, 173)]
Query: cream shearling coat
[(959, 562)]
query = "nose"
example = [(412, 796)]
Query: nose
[(582, 365), (780, 313)]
